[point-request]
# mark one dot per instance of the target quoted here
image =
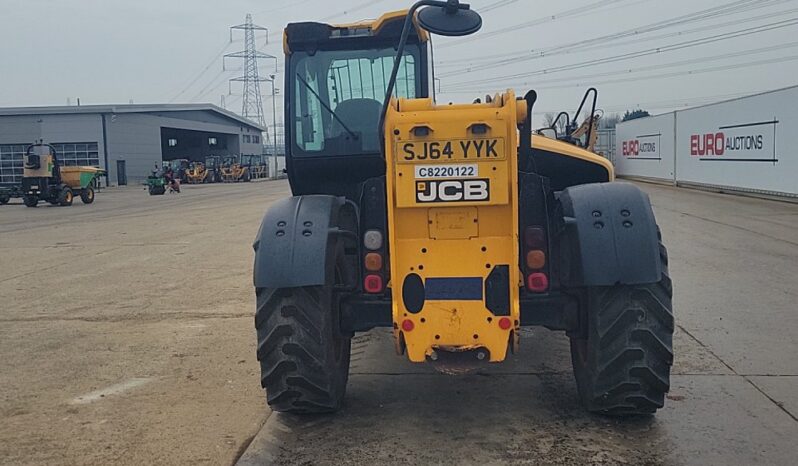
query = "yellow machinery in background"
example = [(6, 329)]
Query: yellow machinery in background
[(587, 133), (44, 179), (196, 173), (232, 171), (256, 165)]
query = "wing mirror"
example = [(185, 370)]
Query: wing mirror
[(452, 18)]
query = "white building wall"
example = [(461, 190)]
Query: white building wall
[(748, 144), (644, 147)]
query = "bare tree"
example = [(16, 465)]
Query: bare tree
[(609, 121)]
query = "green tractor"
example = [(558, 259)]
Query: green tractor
[(156, 184)]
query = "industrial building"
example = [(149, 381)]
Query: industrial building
[(125, 140)]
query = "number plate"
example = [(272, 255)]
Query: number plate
[(458, 149), (447, 171)]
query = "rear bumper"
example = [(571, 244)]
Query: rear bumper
[(554, 311)]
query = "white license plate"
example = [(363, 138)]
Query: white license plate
[(446, 171)]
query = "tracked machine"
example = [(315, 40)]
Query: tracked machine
[(453, 226)]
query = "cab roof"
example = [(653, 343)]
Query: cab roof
[(312, 35)]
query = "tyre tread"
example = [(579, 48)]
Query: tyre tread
[(629, 346)]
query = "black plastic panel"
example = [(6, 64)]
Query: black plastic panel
[(292, 248), (612, 236), (497, 291)]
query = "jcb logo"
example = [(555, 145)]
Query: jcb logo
[(453, 191)]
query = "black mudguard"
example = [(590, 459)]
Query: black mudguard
[(296, 243), (610, 236)]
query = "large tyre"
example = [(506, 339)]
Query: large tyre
[(65, 197), (87, 195), (304, 357), (31, 200), (4, 198), (623, 366)]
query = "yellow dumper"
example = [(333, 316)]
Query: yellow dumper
[(44, 180)]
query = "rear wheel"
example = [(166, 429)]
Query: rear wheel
[(304, 357), (31, 200), (4, 199), (65, 197), (87, 195), (623, 365)]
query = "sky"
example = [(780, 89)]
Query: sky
[(161, 51)]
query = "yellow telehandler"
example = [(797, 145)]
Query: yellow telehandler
[(452, 225)]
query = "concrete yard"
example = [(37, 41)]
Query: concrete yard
[(127, 337)]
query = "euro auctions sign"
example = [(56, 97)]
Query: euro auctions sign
[(643, 147), (749, 142)]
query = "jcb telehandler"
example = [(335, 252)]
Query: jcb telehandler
[(452, 225)]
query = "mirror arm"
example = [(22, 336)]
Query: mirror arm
[(525, 153), (401, 50)]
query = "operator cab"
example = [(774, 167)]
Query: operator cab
[(337, 78)]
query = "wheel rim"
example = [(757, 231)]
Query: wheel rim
[(90, 194), (69, 196)]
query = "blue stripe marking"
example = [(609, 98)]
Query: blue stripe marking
[(453, 289)]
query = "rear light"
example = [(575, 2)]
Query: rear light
[(537, 282), (505, 323), (372, 240), (535, 238), (373, 262), (372, 283), (535, 252), (408, 325), (536, 259)]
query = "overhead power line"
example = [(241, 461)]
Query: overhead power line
[(657, 76), (638, 54), (496, 5), (589, 79), (573, 12), (202, 72), (477, 64)]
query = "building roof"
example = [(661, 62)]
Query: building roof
[(126, 108)]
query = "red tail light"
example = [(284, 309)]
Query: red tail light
[(537, 282), (372, 284)]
